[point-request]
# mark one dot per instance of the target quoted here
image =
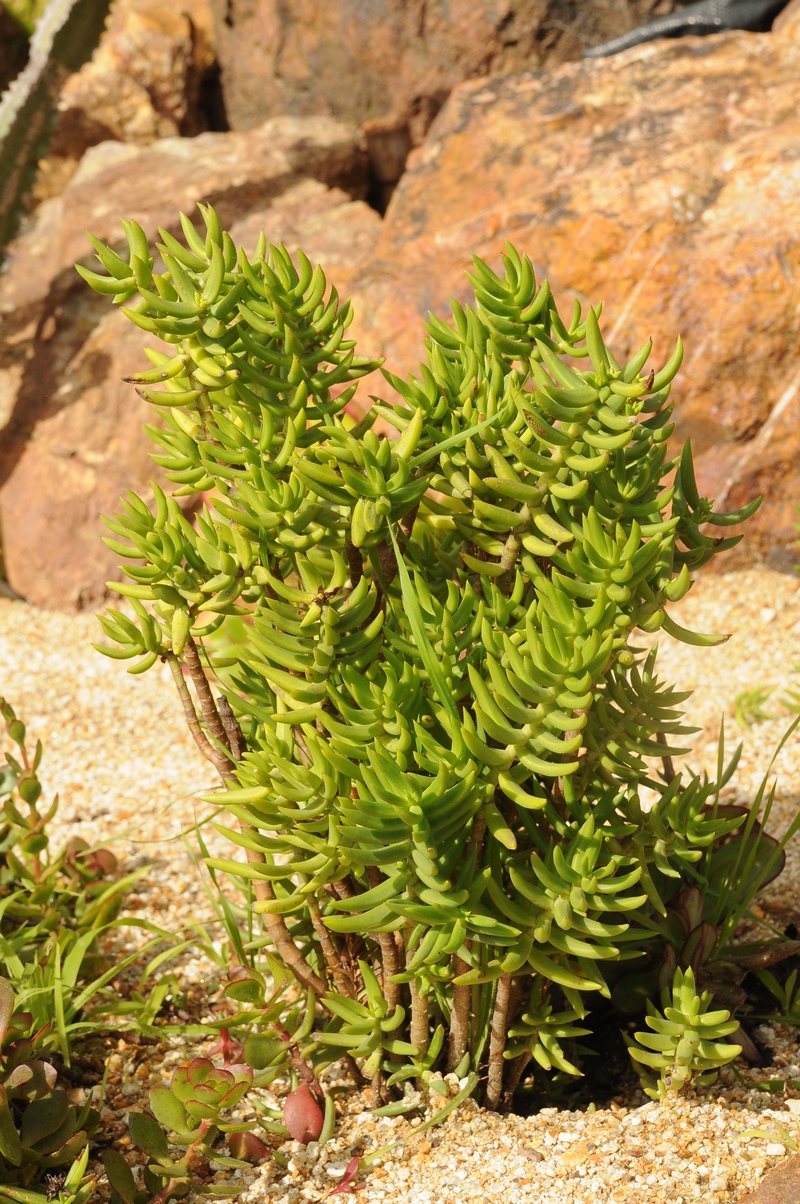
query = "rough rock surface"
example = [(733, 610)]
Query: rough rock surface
[(376, 58), (788, 21), (72, 442), (665, 182), (142, 83)]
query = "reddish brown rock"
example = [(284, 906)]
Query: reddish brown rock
[(666, 182), (787, 22), (143, 82), (781, 1186), (73, 440), (395, 57)]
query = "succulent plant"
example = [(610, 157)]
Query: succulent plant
[(25, 854), (39, 1128), (686, 1041), (186, 1114), (434, 723), (54, 904)]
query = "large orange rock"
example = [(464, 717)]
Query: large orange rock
[(374, 58), (71, 439), (666, 182), (144, 81)]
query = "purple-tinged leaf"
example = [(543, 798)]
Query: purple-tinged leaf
[(346, 1186), (247, 1146), (302, 1115), (699, 946), (6, 1006)]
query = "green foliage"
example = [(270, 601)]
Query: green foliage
[(432, 720), (749, 707), (186, 1114), (687, 1040), (700, 924), (39, 1128), (54, 908), (781, 1134), (25, 12)]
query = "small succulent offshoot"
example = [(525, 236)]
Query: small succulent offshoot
[(687, 1039)]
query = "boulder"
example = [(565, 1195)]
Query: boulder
[(142, 83), (787, 22), (71, 439), (664, 181), (397, 58)]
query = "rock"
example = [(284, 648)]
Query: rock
[(781, 1186), (664, 182), (73, 440), (787, 23), (330, 227), (396, 58), (143, 82), (238, 173), (389, 140)]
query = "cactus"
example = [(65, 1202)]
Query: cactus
[(433, 731), (65, 35)]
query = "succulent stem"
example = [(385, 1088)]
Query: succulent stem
[(497, 1043), (459, 1017)]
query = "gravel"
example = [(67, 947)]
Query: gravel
[(128, 774)]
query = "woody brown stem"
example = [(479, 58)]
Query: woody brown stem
[(208, 707), (279, 934), (459, 1017), (380, 1094), (274, 925), (390, 965), (342, 979), (497, 1043), (515, 1072), (355, 1070), (390, 960), (234, 733), (192, 722), (355, 563), (419, 1030)]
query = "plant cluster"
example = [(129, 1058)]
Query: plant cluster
[(687, 1041), (39, 1128), (187, 1114), (434, 725), (54, 908)]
